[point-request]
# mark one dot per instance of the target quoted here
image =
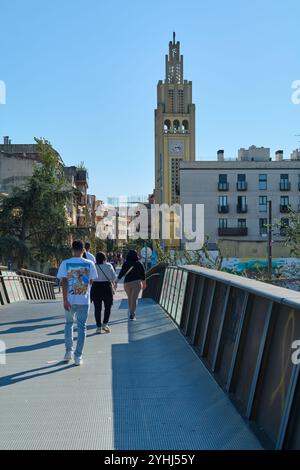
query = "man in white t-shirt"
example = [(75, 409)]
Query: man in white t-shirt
[(77, 275), (88, 253)]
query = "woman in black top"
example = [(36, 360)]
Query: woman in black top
[(134, 281), (102, 291)]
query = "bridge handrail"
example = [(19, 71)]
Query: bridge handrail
[(243, 331), (25, 285), (26, 272), (275, 293)]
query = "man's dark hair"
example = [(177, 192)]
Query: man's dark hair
[(100, 258), (87, 245), (77, 245)]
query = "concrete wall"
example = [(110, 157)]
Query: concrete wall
[(246, 249), (14, 170)]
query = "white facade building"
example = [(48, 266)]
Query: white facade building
[(235, 194)]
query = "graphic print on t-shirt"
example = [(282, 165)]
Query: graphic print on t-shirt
[(78, 275)]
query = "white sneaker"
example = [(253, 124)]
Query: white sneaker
[(98, 331), (106, 328), (78, 361), (68, 356)]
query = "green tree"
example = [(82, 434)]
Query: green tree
[(290, 232), (33, 217)]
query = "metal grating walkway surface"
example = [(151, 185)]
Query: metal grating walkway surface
[(141, 387)]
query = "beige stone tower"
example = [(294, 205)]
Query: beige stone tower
[(174, 127), (174, 133)]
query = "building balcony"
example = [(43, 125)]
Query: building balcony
[(233, 232), (241, 186), (284, 209), (285, 186), (223, 186), (81, 176), (242, 209), (223, 209)]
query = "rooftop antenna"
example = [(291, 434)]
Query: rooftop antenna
[(174, 38)]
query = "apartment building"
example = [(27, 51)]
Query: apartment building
[(17, 162), (235, 194)]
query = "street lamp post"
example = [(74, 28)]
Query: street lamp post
[(270, 232)]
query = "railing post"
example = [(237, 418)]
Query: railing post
[(286, 417), (237, 342), (202, 347), (259, 361), (224, 309)]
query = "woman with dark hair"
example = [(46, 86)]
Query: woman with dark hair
[(102, 291), (134, 280)]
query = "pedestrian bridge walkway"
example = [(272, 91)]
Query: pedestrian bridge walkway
[(140, 387)]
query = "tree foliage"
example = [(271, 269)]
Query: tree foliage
[(33, 217), (290, 232)]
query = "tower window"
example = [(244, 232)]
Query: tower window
[(185, 126), (175, 179), (176, 125), (180, 101), (171, 101), (167, 126)]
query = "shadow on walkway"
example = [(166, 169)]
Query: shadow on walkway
[(21, 376), (33, 320), (34, 347), (26, 329)]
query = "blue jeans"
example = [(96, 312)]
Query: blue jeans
[(81, 312)]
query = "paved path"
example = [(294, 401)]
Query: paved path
[(141, 387)]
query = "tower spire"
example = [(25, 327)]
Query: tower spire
[(174, 62)]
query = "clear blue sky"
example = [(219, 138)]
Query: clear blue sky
[(83, 73)]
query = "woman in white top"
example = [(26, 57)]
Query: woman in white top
[(102, 291)]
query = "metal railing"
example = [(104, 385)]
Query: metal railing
[(25, 285), (233, 231), (154, 281), (243, 331)]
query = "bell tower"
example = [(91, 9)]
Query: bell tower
[(174, 127)]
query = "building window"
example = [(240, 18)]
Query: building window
[(263, 229), (284, 204), (223, 223), (223, 200), (241, 182), (242, 223), (263, 204), (263, 182), (241, 204), (223, 205), (285, 185), (223, 184)]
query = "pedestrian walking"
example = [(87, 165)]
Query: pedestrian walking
[(102, 292), (77, 275), (88, 254), (134, 280)]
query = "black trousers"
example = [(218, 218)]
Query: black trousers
[(102, 292)]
